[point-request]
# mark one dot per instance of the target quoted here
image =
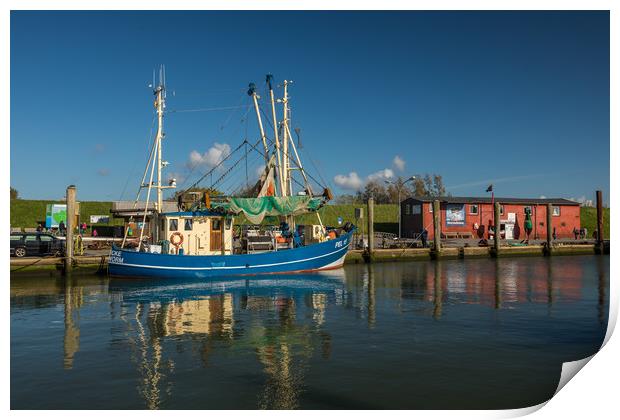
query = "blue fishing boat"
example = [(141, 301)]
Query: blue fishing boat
[(321, 256), (199, 237)]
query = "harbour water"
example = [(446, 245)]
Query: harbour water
[(448, 334)]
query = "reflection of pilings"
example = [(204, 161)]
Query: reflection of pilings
[(549, 283), (71, 341), (602, 290), (438, 292), (371, 296), (498, 285)]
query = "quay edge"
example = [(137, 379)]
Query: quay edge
[(98, 264)]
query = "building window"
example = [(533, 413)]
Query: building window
[(556, 210), (501, 209), (188, 224), (407, 209), (430, 207), (473, 209), (174, 224), (526, 209)]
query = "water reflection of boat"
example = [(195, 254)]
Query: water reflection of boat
[(180, 289), (214, 314)]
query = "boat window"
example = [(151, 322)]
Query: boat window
[(188, 224), (163, 224), (174, 224), (216, 224)]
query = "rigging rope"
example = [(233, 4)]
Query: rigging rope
[(222, 108), (214, 168)]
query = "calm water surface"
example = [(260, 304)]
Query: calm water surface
[(450, 334)]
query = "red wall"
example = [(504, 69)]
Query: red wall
[(564, 224)]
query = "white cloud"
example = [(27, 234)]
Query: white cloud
[(399, 163), (542, 197), (349, 182), (211, 157), (381, 175)]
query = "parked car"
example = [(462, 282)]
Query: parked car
[(36, 244)]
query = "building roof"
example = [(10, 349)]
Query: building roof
[(502, 200)]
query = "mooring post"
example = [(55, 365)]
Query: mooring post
[(599, 221), (496, 234), (549, 228), (436, 227), (371, 228), (70, 225)]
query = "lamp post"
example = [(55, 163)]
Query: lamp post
[(399, 184)]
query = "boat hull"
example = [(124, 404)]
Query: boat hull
[(321, 256)]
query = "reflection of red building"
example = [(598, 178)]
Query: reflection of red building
[(477, 283), (471, 216)]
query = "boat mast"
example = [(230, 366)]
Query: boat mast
[(275, 133), (255, 97), (159, 105), (285, 163), (289, 138)]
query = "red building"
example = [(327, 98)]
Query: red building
[(470, 217)]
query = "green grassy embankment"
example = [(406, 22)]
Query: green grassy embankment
[(26, 213), (588, 220)]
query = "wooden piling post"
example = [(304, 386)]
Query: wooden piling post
[(437, 226), (549, 227), (599, 221), (70, 226), (371, 228), (496, 222)]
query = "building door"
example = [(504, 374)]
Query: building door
[(510, 227), (215, 241)]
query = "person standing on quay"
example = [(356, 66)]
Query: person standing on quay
[(424, 236)]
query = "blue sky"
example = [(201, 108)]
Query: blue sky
[(519, 99)]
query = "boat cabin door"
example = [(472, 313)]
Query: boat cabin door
[(215, 239)]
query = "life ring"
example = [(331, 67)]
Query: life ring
[(176, 239)]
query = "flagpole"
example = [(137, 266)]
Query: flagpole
[(493, 210)]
